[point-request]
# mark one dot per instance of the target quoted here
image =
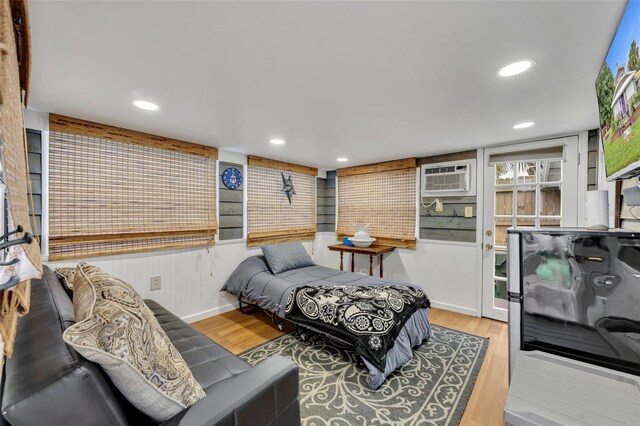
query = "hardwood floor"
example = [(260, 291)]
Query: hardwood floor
[(238, 332)]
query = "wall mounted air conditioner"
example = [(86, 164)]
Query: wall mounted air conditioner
[(453, 178)]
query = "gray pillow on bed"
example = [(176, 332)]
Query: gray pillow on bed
[(284, 257)]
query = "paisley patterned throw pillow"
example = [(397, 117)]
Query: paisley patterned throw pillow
[(66, 276), (115, 329)]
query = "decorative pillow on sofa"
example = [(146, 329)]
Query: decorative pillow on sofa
[(115, 329), (286, 256), (66, 276)]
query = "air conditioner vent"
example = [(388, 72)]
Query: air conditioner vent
[(448, 179), (447, 169)]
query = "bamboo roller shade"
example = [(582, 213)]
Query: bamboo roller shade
[(14, 302), (14, 155), (382, 195), (268, 163), (271, 219), (62, 124), (387, 166), (109, 197)]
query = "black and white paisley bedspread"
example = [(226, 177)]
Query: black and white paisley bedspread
[(369, 317)]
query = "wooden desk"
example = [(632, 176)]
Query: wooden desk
[(373, 250)]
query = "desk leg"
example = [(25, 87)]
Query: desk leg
[(381, 268), (371, 264), (353, 262), (341, 254)]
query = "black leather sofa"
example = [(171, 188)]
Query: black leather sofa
[(47, 382)]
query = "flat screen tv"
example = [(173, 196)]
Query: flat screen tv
[(618, 93)]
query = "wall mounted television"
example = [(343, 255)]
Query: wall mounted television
[(618, 93)]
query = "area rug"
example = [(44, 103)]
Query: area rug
[(431, 389)]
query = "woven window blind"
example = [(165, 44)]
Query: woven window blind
[(13, 138), (14, 77), (382, 195), (270, 217), (114, 191)]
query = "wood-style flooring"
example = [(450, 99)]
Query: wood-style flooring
[(238, 332)]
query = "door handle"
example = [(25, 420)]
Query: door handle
[(488, 246)]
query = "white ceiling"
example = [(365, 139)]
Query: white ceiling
[(370, 81)]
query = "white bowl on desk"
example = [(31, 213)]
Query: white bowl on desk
[(361, 242)]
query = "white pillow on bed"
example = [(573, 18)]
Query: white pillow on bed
[(284, 257)]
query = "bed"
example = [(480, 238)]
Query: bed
[(253, 282)]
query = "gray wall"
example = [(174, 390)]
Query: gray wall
[(231, 206), (449, 224), (326, 193), (592, 161)]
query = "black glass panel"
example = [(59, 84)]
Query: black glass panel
[(581, 297)]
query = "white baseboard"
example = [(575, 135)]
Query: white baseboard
[(454, 308), (209, 313)]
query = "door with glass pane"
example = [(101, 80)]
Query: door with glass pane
[(532, 185)]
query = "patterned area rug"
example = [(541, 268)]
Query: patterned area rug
[(431, 389)]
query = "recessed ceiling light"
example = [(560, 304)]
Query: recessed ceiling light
[(277, 141), (523, 125), (342, 159), (516, 68), (149, 106)]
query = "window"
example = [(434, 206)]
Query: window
[(382, 195), (271, 216), (527, 194), (34, 151), (528, 190), (115, 191)]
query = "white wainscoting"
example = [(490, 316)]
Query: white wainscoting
[(447, 271), (191, 278), (322, 255)]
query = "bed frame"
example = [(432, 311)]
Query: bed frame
[(250, 308), (301, 330)]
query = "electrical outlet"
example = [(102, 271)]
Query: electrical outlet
[(439, 206), (468, 211), (156, 283)]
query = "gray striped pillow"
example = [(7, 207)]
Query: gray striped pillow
[(286, 256)]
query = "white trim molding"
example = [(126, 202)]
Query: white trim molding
[(191, 318), (455, 308)]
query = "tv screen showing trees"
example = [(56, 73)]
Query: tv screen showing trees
[(618, 93)]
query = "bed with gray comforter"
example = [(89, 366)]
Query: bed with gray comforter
[(253, 281)]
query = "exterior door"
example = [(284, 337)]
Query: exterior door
[(532, 185)]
